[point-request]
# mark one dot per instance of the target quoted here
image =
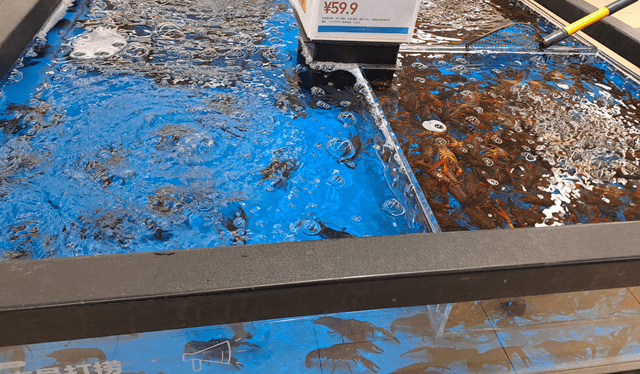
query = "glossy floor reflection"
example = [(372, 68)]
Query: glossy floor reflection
[(593, 332)]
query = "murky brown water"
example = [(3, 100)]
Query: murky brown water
[(518, 140), (456, 21)]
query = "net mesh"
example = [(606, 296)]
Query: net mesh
[(514, 37)]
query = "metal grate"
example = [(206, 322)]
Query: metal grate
[(513, 37)]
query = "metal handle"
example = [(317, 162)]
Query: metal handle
[(617, 5), (585, 21)]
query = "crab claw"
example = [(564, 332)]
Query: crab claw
[(370, 347), (370, 365)]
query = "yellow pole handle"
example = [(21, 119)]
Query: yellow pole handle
[(587, 20)]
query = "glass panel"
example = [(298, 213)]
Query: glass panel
[(522, 335)]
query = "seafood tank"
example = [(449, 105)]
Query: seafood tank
[(139, 126), (531, 140), (131, 127), (505, 140)]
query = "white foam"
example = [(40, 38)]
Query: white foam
[(99, 43), (562, 188)]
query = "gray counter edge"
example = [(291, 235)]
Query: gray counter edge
[(17, 30)]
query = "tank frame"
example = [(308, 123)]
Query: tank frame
[(72, 298)]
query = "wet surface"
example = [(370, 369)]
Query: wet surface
[(151, 125), (503, 141), (453, 22)]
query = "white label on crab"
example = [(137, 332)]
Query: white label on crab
[(100, 43), (434, 125)]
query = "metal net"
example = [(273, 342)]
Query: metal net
[(514, 37)]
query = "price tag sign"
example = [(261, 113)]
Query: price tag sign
[(365, 20)]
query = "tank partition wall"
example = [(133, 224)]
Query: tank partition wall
[(72, 298)]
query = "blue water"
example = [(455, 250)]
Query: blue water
[(192, 125)]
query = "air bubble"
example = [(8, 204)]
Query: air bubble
[(342, 149), (359, 87), (487, 161), (317, 91), (336, 181), (322, 105), (57, 78), (630, 169), (345, 103), (419, 65), (393, 207), (15, 76), (235, 54), (139, 50), (460, 69), (276, 55), (441, 141), (310, 227), (473, 120), (419, 79), (434, 125), (496, 140), (528, 156), (168, 30), (492, 182), (522, 87), (347, 118), (239, 222)]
